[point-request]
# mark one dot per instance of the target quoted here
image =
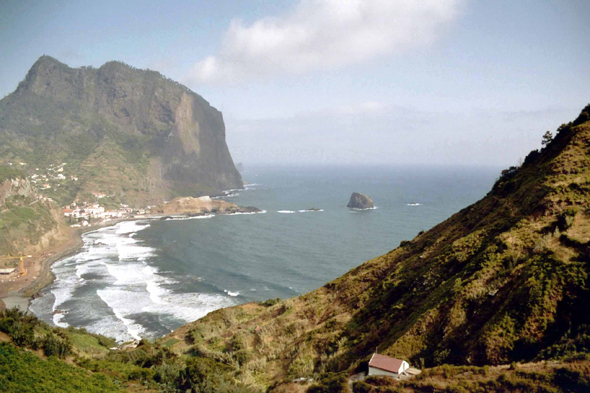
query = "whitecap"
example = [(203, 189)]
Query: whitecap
[(286, 211), (204, 216), (123, 303), (230, 293), (57, 317)]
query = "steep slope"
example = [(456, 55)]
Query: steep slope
[(27, 223), (130, 134), (502, 280)]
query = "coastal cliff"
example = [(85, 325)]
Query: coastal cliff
[(130, 134), (28, 223)]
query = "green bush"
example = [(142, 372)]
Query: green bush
[(24, 372), (330, 383)]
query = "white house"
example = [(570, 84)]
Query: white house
[(7, 271), (384, 365)]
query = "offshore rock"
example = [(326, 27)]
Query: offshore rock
[(360, 201)]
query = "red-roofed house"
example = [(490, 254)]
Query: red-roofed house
[(384, 365)]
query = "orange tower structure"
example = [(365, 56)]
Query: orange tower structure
[(21, 268)]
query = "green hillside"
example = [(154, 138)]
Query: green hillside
[(494, 299)]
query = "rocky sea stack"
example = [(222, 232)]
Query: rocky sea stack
[(360, 201)]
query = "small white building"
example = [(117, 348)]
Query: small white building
[(384, 365)]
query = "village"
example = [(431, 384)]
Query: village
[(44, 178), (77, 214), (87, 214)]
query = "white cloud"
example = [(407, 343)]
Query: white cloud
[(324, 34)]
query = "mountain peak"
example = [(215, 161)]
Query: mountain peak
[(169, 140)]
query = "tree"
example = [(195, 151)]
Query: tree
[(547, 138)]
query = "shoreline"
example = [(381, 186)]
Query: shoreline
[(22, 297)]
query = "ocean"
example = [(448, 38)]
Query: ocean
[(146, 278)]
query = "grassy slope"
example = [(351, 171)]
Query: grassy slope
[(503, 280), (22, 371), (499, 281)]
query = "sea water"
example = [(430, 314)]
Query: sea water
[(145, 278)]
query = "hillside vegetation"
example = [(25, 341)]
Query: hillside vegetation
[(494, 299), (501, 281)]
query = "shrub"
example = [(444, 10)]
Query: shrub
[(56, 346), (330, 383), (270, 302)]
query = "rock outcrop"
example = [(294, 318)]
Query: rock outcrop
[(360, 201), (13, 187), (130, 133), (202, 205)]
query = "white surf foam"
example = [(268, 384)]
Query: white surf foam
[(139, 289), (69, 281), (413, 204), (130, 286), (127, 227), (230, 293), (120, 301), (286, 211), (57, 320), (246, 213), (205, 216)]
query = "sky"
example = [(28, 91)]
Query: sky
[(392, 82)]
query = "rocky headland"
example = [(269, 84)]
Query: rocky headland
[(133, 135), (202, 205)]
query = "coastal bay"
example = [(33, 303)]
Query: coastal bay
[(212, 262)]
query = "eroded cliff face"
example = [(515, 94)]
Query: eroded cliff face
[(129, 133), (27, 223), (14, 187)]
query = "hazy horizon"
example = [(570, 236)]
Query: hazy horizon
[(451, 82)]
